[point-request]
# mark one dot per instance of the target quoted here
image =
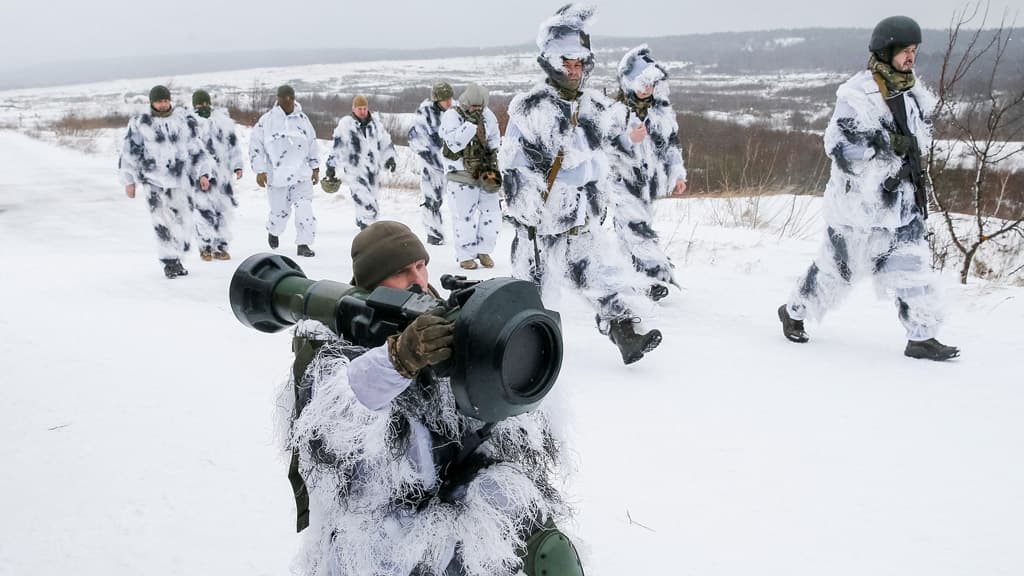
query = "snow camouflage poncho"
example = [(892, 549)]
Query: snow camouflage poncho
[(540, 125), (284, 146), (426, 143), (213, 207), (872, 232), (423, 135), (163, 152), (857, 141), (361, 150), (648, 169), (371, 510), (652, 167)]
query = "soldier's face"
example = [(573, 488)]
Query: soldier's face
[(413, 274), (903, 61), (573, 71), (361, 112), (445, 104), (287, 103), (161, 105), (645, 93), (474, 108)]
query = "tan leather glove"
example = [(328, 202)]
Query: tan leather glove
[(427, 341)]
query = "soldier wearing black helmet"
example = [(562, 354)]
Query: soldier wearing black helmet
[(876, 199), (379, 453)]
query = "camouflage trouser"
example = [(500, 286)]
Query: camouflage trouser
[(432, 184), (214, 210), (282, 198), (476, 217), (899, 260), (364, 197), (588, 260), (639, 240), (171, 211)]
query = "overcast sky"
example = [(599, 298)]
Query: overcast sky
[(36, 31)]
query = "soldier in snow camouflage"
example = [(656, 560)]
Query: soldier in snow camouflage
[(161, 151), (426, 143)]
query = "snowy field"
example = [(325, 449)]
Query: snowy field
[(136, 428), (35, 108)]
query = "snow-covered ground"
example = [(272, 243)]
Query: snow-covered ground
[(27, 109), (136, 426)]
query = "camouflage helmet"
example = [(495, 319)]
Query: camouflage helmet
[(441, 92), (330, 185)]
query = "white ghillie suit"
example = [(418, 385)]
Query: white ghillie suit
[(285, 147), (558, 233), (163, 153), (476, 213), (425, 141), (215, 207), (371, 445), (361, 148), (872, 230), (647, 169)]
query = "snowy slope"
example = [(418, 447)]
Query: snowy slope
[(136, 427)]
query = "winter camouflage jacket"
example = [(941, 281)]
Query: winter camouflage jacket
[(163, 152), (284, 146), (360, 150), (219, 141), (371, 448), (650, 168), (424, 138), (540, 126), (858, 141)]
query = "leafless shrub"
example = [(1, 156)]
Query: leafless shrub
[(725, 157), (989, 128), (71, 124)]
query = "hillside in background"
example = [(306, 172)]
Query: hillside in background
[(761, 52)]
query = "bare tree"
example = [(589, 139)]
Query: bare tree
[(980, 123)]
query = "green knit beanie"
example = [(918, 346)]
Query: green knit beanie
[(200, 97), (381, 249), (158, 93)]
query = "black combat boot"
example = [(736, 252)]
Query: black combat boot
[(304, 250), (792, 329), (173, 268), (657, 292), (930, 349), (631, 345), (272, 240)]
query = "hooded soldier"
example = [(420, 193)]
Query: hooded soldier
[(875, 200), (161, 150), (470, 137), (362, 146), (647, 164), (284, 154), (425, 141), (214, 207), (378, 442), (554, 159)]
